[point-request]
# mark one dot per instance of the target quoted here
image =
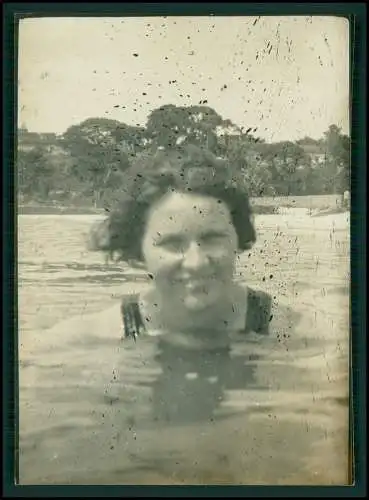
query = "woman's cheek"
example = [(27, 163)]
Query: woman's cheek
[(224, 257), (165, 261)]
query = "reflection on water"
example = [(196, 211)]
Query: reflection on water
[(296, 403)]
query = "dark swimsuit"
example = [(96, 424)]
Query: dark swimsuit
[(258, 314), (193, 382)]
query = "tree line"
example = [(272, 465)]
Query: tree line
[(85, 165)]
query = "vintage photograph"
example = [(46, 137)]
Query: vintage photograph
[(183, 198)]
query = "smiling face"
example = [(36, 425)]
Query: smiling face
[(190, 246)]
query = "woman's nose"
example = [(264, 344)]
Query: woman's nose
[(194, 257)]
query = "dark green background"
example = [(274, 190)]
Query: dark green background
[(356, 14)]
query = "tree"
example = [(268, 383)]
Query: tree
[(35, 173), (88, 161), (338, 160), (170, 125), (289, 167), (307, 141), (100, 150), (245, 157)]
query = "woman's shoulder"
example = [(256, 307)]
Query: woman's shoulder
[(106, 324), (284, 317), (103, 323), (267, 313)]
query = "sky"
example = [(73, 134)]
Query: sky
[(287, 76)]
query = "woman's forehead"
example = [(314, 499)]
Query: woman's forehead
[(189, 209)]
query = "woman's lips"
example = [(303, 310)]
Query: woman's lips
[(195, 284)]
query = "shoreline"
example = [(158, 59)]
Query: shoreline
[(257, 210), (55, 210)]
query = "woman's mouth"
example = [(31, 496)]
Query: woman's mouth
[(195, 284)]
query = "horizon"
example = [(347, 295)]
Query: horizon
[(58, 135), (257, 72)]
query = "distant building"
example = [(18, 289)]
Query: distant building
[(317, 153), (229, 130), (49, 142), (30, 140), (346, 199)]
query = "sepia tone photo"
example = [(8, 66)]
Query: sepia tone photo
[(183, 236)]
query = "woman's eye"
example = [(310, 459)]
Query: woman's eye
[(172, 245), (213, 239)]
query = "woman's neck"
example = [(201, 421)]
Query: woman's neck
[(164, 314)]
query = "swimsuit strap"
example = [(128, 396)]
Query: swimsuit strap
[(259, 305), (132, 320), (259, 308)]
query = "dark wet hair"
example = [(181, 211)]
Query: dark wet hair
[(188, 169)]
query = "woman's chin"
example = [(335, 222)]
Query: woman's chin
[(197, 302)]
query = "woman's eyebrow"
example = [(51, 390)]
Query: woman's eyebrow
[(169, 236), (214, 232), (179, 236)]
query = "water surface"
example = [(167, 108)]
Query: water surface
[(298, 403)]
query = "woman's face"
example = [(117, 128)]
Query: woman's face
[(189, 247)]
